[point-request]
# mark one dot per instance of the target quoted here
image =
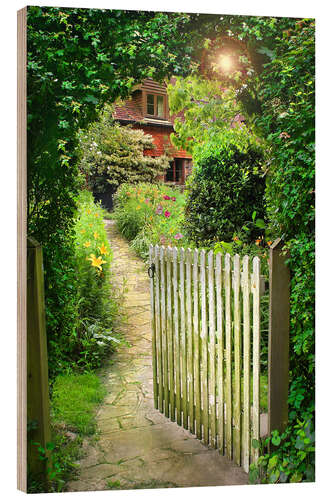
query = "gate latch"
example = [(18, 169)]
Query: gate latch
[(151, 271)]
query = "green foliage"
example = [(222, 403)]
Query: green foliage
[(288, 121), (112, 154), (74, 399), (97, 306), (149, 214), (291, 458), (206, 110), (78, 59), (60, 455), (225, 188), (90, 335)]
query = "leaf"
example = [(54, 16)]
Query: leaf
[(253, 475), (267, 52), (227, 246), (260, 223), (274, 476), (91, 98), (296, 477), (272, 462), (276, 440), (255, 443)]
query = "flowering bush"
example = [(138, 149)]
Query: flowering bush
[(94, 335), (111, 154), (149, 214)]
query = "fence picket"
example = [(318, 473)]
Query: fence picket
[(196, 347), (228, 356), (256, 353), (204, 354), (189, 338), (176, 336), (170, 335), (164, 334), (153, 326), (220, 356), (246, 364), (237, 362), (159, 345), (211, 349), (183, 354)]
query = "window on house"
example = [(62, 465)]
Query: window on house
[(175, 171), (155, 105)]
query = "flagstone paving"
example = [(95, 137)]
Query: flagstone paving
[(138, 447)]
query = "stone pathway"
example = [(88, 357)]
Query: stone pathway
[(139, 447)]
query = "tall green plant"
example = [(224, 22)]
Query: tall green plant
[(112, 154)]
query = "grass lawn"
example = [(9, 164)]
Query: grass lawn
[(74, 401)]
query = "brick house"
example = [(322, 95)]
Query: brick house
[(148, 110)]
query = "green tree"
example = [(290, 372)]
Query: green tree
[(112, 154), (203, 109)]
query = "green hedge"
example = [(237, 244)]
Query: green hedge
[(225, 190)]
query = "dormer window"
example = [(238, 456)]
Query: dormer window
[(155, 105)]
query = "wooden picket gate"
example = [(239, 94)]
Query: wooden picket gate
[(206, 346)]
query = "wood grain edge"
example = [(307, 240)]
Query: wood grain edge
[(21, 249)]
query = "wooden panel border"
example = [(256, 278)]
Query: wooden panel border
[(21, 249)]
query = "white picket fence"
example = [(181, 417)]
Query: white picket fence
[(206, 346)]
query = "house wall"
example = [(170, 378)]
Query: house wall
[(161, 137)]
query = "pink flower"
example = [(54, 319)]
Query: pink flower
[(162, 240), (166, 197), (147, 200), (173, 198), (167, 214), (159, 210), (178, 236)]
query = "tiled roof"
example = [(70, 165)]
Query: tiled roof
[(128, 110)]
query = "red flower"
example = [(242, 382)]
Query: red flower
[(173, 198), (166, 197), (167, 214)]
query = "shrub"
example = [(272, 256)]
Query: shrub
[(112, 154), (225, 189)]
